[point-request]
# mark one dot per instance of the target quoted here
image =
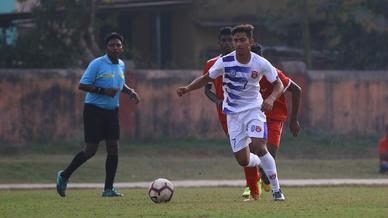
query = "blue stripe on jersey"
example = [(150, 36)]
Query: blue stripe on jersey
[(229, 58), (227, 111), (265, 131), (236, 79), (236, 68), (231, 86), (232, 96), (230, 103)]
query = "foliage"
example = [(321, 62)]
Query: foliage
[(352, 33), (63, 36)]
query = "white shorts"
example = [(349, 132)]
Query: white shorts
[(245, 125)]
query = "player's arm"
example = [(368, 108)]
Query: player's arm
[(195, 84), (277, 91), (132, 93), (88, 80), (212, 96), (99, 90), (215, 71), (296, 93), (272, 76), (209, 94)]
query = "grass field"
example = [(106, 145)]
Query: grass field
[(199, 202), (307, 157), (42, 168)]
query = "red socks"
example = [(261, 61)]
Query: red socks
[(252, 177)]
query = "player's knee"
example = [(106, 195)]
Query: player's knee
[(258, 146), (89, 153), (243, 162), (90, 150)]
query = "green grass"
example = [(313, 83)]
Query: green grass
[(199, 202), (310, 156), (42, 168)]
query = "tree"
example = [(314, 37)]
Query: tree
[(351, 32), (64, 35), (358, 33)]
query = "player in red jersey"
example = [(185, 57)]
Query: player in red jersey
[(275, 118), (225, 44), (383, 152)]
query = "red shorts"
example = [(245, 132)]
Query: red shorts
[(275, 129)]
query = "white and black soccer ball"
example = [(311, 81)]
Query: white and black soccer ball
[(161, 190)]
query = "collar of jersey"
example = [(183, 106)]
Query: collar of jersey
[(106, 58)]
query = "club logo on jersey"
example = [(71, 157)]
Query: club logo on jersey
[(254, 74), (255, 128), (272, 176), (232, 72)]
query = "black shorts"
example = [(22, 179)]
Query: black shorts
[(100, 124)]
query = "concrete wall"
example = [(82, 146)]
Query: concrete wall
[(39, 105), (347, 102), (45, 105)]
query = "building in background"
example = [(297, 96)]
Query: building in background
[(165, 34)]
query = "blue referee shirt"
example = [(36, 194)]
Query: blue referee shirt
[(101, 72)]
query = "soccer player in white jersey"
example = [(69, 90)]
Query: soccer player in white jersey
[(243, 104)]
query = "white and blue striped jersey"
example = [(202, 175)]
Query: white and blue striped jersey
[(241, 81)]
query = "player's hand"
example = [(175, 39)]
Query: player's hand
[(294, 127), (135, 96), (111, 92), (181, 91), (267, 105)]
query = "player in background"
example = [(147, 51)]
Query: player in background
[(275, 121), (241, 71), (383, 152), (225, 44)]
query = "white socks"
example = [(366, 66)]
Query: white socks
[(269, 167), (254, 160)]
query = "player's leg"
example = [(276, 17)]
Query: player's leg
[(249, 160), (251, 178), (257, 131), (275, 128), (112, 134), (239, 143), (269, 166), (79, 159), (110, 169), (383, 167), (251, 175), (93, 132)]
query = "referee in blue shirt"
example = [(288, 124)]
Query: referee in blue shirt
[(103, 81)]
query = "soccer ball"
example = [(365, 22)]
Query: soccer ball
[(161, 191)]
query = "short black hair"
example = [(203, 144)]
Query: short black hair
[(113, 35), (224, 31), (257, 48), (244, 28)]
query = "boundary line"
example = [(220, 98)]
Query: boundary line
[(207, 183)]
